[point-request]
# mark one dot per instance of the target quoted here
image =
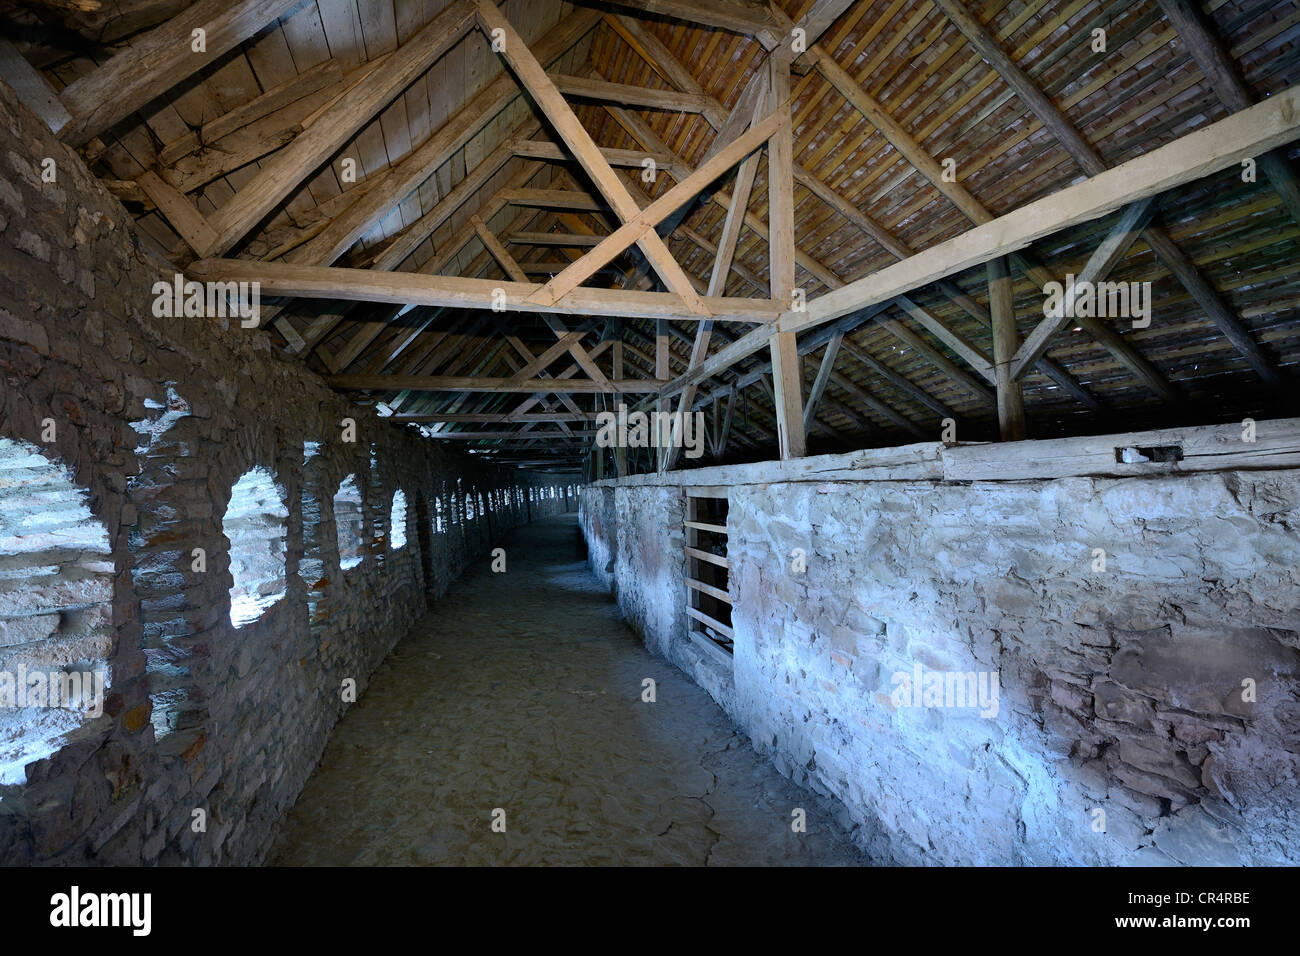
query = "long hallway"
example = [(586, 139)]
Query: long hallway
[(521, 692)]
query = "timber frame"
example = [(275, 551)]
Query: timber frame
[(821, 225)]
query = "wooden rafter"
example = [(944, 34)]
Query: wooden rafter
[(533, 77)]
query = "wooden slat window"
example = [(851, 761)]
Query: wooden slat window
[(708, 602)]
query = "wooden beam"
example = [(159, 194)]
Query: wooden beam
[(180, 213), (787, 370), (583, 87), (1205, 151), (573, 199), (634, 158), (568, 240), (1198, 35), (281, 175), (965, 349), (1091, 162), (637, 226), (748, 19), (408, 288), (816, 21), (159, 60), (1011, 403), (533, 77), (302, 85), (823, 378), (498, 251), (472, 383), (33, 90), (1106, 256)]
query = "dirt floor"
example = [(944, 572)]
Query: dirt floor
[(521, 692)]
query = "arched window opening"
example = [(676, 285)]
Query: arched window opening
[(255, 525), (350, 522), (56, 608), (397, 521), (437, 519)]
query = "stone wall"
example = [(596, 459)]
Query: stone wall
[(156, 419), (1147, 705)]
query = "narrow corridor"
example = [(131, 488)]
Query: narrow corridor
[(521, 692)]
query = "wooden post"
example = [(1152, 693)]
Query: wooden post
[(661, 369), (787, 370), (1011, 404)]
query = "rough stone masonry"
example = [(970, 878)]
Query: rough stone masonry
[(156, 419), (1148, 706)]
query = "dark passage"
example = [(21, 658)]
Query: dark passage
[(521, 691)]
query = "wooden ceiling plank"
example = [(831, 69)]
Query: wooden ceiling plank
[(159, 60), (1198, 36), (341, 121)]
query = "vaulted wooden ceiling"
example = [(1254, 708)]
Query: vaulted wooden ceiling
[(937, 164)]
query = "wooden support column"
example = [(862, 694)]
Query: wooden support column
[(787, 371), (1011, 403), (616, 367), (662, 372)]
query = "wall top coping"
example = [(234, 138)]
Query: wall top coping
[(1126, 454)]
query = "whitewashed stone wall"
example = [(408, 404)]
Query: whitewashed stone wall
[(1119, 690)]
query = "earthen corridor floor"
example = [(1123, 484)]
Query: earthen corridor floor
[(522, 691)]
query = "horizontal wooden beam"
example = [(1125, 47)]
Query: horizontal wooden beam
[(472, 383), (567, 239), (494, 418), (408, 288), (552, 199), (641, 96)]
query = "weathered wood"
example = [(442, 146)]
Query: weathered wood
[(553, 199), (533, 77), (180, 213), (1197, 34), (474, 383), (1106, 256), (641, 223), (748, 19), (645, 97), (1011, 403), (33, 90), (159, 60), (310, 81), (568, 240), (497, 250), (366, 285), (823, 378), (341, 121), (1204, 448), (1207, 150)]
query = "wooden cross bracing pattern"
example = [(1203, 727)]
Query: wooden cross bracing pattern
[(825, 221)]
